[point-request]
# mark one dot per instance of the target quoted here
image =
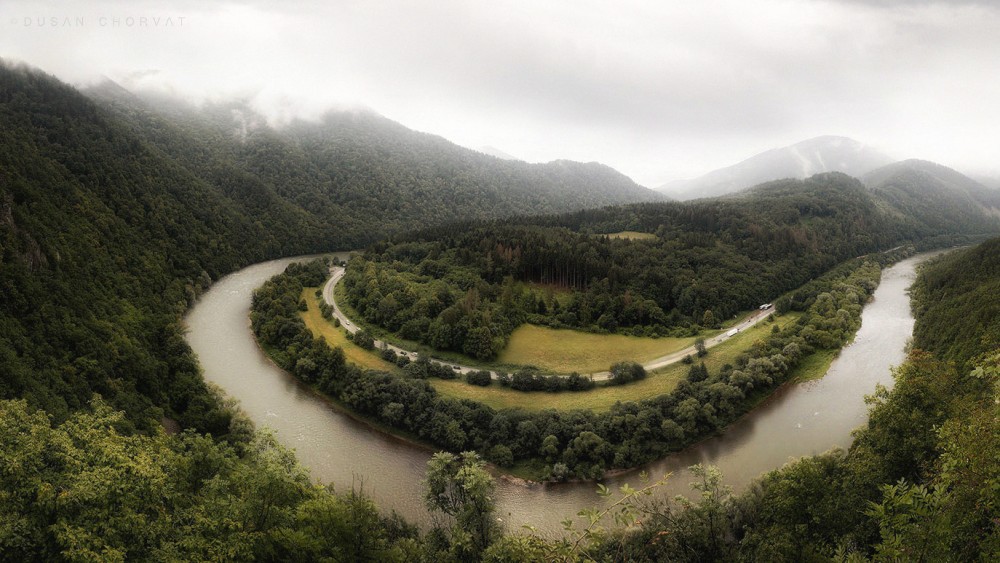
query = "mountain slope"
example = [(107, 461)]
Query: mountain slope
[(493, 151), (103, 243), (358, 175), (958, 307), (801, 160), (991, 182), (929, 199), (376, 165)]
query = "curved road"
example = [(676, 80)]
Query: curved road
[(337, 272)]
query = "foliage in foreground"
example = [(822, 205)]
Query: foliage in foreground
[(919, 484), (83, 490)]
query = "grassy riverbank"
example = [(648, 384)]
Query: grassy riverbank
[(336, 336), (601, 399), (564, 351)]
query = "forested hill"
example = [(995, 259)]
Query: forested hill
[(930, 199), (692, 264), (104, 242), (958, 304), (359, 175), (377, 165)]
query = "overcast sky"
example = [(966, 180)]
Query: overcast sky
[(658, 90)]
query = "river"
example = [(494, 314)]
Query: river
[(797, 420)]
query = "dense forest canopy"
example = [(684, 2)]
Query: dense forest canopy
[(462, 287), (958, 306)]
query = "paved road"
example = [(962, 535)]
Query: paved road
[(337, 272)]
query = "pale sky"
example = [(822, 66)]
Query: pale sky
[(657, 90)]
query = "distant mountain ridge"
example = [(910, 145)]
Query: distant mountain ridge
[(354, 164), (992, 182), (493, 151), (799, 161)]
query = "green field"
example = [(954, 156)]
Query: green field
[(335, 336), (599, 399), (631, 235), (602, 398), (563, 351), (560, 351)]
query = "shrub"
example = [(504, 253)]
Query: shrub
[(481, 378)]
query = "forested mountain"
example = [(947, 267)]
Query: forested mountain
[(992, 182), (104, 243), (357, 175), (114, 215), (379, 167), (111, 223), (958, 304), (930, 199), (801, 160)]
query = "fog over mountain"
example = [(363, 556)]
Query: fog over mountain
[(989, 181), (659, 91), (933, 197), (801, 160), (493, 151)]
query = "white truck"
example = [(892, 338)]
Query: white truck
[(732, 332)]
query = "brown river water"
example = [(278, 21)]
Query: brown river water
[(798, 420)]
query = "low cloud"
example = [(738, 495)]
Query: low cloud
[(655, 91)]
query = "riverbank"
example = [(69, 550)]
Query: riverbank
[(340, 450)]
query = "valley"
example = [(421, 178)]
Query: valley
[(174, 387)]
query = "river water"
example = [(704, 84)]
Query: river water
[(798, 420)]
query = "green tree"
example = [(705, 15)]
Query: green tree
[(460, 487), (708, 319)]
